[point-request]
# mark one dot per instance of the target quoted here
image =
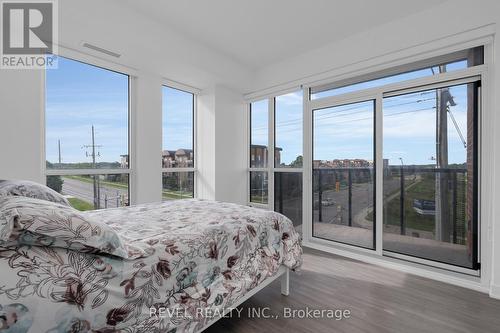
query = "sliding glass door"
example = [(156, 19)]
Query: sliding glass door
[(430, 153), (343, 173)]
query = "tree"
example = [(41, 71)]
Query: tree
[(55, 183), (297, 163)]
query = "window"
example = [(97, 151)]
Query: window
[(460, 60), (429, 175), (87, 134), (424, 134), (258, 187), (343, 173), (178, 154), (288, 130), (259, 135), (288, 196), (277, 184)]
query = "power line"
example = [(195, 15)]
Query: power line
[(340, 113)]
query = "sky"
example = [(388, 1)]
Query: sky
[(288, 134), (177, 120), (80, 95), (346, 132)]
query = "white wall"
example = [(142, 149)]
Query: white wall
[(221, 145), (495, 182), (145, 44), (230, 146), (206, 144), (397, 39), (146, 140), (21, 111)]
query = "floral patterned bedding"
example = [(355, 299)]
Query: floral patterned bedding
[(205, 254)]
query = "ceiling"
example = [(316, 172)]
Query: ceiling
[(258, 33)]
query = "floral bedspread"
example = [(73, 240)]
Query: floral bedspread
[(205, 255)]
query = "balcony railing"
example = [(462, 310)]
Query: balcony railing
[(431, 200)]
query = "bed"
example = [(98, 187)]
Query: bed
[(185, 264)]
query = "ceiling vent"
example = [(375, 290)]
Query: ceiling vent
[(101, 50)]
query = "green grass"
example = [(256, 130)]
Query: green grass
[(422, 189), (117, 185), (80, 204), (173, 195), (258, 199)]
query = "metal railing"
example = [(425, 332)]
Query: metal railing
[(455, 195)]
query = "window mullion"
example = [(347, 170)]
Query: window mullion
[(271, 152), (379, 176)]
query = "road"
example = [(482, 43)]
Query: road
[(85, 191), (362, 203)]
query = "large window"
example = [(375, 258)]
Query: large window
[(418, 125), (259, 135), (87, 134), (275, 180), (343, 177), (429, 176), (288, 130), (459, 60), (178, 154)]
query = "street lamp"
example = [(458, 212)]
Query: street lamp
[(402, 200)]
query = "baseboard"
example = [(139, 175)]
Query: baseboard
[(437, 274), (495, 291)]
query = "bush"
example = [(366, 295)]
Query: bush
[(55, 183)]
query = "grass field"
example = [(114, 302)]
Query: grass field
[(172, 195), (420, 189), (89, 180), (80, 205), (258, 199)]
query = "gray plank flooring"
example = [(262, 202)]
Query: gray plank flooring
[(379, 299)]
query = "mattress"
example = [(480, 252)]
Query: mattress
[(204, 255)]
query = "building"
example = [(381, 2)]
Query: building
[(258, 156), (180, 158)]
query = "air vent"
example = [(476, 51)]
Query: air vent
[(101, 50)]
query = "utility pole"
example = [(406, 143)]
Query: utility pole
[(97, 188), (442, 219), (402, 215), (59, 149)]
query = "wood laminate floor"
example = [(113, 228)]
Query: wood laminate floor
[(379, 299)]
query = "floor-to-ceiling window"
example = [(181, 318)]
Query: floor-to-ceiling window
[(288, 156), (87, 134), (429, 175), (259, 152), (343, 173), (178, 153), (418, 127), (275, 155)]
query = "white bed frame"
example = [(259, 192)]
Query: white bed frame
[(283, 273)]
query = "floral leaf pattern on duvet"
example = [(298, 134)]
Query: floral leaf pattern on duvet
[(204, 254), (43, 223)]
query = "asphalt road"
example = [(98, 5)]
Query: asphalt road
[(362, 201), (85, 191)]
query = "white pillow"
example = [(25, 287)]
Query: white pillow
[(26, 188)]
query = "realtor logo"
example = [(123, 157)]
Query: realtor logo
[(29, 33)]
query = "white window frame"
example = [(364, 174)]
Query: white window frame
[(105, 65), (471, 74), (271, 168), (195, 92), (486, 166)]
